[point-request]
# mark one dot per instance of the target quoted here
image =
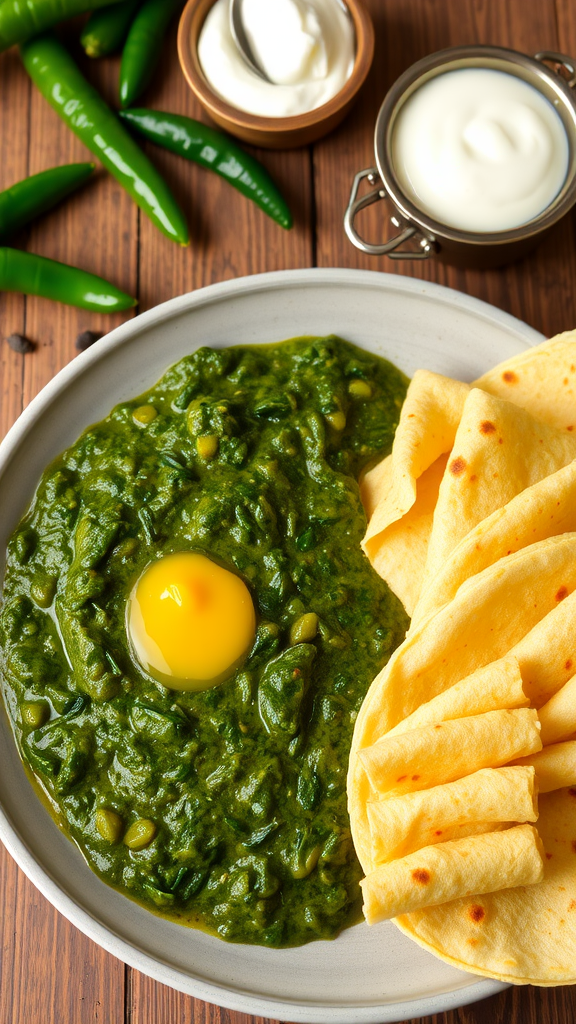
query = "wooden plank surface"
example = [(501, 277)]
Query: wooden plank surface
[(50, 973)]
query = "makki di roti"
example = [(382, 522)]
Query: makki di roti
[(476, 501), (235, 479)]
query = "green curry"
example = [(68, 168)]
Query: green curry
[(224, 809)]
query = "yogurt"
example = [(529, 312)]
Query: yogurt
[(480, 150), (306, 48)]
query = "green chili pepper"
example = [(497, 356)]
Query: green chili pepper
[(20, 20), (196, 141), (53, 71), (35, 275), (142, 47), (27, 199), (106, 30)]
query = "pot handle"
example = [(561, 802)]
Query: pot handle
[(427, 248), (551, 57)]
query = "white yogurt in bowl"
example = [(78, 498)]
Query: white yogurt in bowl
[(306, 47), (475, 151), (480, 150)]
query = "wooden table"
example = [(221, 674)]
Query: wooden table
[(49, 972)]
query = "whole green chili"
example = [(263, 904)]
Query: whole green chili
[(20, 21), (105, 31), (142, 48), (196, 141), (80, 106), (31, 197), (35, 275)]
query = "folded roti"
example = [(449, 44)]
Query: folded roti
[(545, 509), (402, 825), (449, 750), (428, 422), (555, 766), (539, 380), (400, 493), (523, 936), (476, 628), (547, 653), (498, 452), (497, 686), (558, 715), (399, 554), (473, 630), (460, 868)]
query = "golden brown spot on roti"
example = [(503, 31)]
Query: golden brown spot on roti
[(411, 415), (472, 479), (573, 369), (500, 441), (415, 778), (565, 381), (548, 856), (572, 792), (457, 466), (509, 377), (487, 427), (421, 876), (561, 593), (439, 726), (574, 846), (476, 913), (472, 942), (568, 665), (572, 905), (438, 832), (401, 778), (569, 428)]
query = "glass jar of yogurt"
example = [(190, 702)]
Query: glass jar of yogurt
[(476, 149)]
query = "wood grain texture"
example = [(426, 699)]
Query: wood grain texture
[(15, 93), (48, 971)]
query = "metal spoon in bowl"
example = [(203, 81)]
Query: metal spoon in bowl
[(243, 43)]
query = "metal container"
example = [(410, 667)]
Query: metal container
[(427, 237)]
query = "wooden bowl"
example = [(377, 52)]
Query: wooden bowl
[(273, 132)]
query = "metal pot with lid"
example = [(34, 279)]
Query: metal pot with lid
[(420, 236)]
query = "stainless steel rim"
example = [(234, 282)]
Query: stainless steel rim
[(534, 70)]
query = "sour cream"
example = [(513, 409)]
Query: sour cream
[(480, 150), (306, 48)]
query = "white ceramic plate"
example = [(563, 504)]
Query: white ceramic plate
[(366, 975)]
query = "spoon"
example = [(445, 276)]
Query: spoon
[(243, 43)]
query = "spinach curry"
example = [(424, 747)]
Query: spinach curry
[(224, 809)]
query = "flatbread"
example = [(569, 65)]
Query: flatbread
[(555, 766), (475, 629), (449, 750), (399, 553), (402, 825), (523, 936), (463, 867), (545, 509), (498, 452), (497, 686), (558, 715), (541, 380)]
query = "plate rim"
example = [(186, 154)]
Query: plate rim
[(233, 998)]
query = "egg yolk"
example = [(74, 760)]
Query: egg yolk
[(190, 621)]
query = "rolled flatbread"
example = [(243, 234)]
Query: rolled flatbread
[(449, 871)]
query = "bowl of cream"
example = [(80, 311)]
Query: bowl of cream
[(475, 150), (316, 54)]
